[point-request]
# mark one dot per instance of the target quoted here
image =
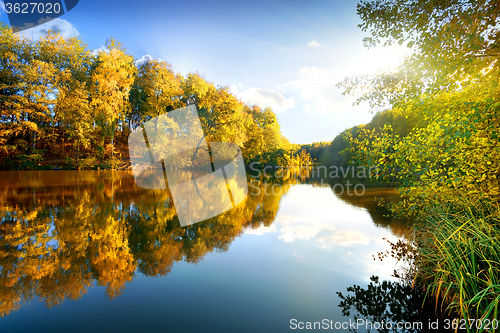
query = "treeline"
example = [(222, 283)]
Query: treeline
[(315, 149), (435, 147), (335, 153), (60, 101), (339, 151)]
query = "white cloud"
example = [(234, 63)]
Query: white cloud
[(96, 52), (2, 7), (312, 44), (261, 230), (65, 28), (146, 58), (143, 59), (266, 98), (234, 89), (317, 87), (295, 230), (291, 228), (346, 238)]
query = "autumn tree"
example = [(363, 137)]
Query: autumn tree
[(37, 76), (158, 89), (27, 86), (265, 143), (73, 113), (111, 81), (59, 100), (221, 114)]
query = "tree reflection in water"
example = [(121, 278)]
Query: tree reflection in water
[(395, 303), (61, 232), (383, 302)]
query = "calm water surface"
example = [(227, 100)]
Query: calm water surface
[(88, 251)]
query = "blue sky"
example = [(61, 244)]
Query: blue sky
[(287, 55)]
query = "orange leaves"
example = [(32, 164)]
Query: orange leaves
[(111, 255), (159, 87), (111, 83)]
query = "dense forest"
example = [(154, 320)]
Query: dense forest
[(64, 104)]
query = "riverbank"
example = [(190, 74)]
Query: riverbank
[(66, 164)]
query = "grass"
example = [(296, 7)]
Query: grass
[(459, 258)]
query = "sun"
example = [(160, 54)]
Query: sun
[(383, 59)]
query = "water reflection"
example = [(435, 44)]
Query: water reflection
[(388, 306), (62, 232), (384, 304)]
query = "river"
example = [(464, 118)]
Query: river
[(85, 251)]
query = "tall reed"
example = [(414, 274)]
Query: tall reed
[(459, 258)]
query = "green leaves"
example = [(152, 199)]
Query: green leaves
[(454, 149), (440, 134), (453, 42)]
